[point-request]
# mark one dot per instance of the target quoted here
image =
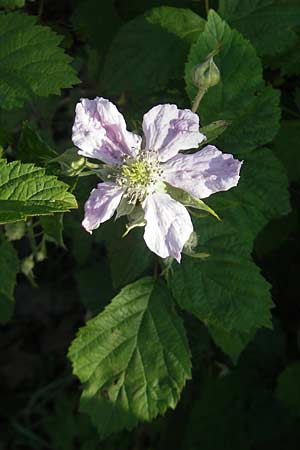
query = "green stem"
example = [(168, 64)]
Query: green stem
[(198, 99), (32, 239), (206, 6)]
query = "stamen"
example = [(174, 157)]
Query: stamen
[(139, 175)]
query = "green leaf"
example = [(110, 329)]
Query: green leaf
[(223, 290), (251, 109), (32, 148), (188, 200), (232, 343), (261, 195), (31, 61), (150, 50), (268, 24), (26, 191), (9, 267), (288, 388), (286, 147), (126, 380)]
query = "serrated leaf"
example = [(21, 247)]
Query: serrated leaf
[(150, 50), (26, 191), (31, 61), (223, 290), (133, 358), (268, 24), (243, 100), (9, 267)]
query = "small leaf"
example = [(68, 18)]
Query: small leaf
[(9, 267), (188, 200), (26, 191), (133, 358), (32, 148)]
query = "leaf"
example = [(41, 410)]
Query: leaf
[(9, 267), (251, 109), (26, 191), (286, 147), (188, 200), (261, 195), (150, 50), (232, 343), (223, 290), (268, 24), (133, 358), (31, 61), (32, 148), (287, 390)]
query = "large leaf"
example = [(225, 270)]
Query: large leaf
[(150, 50), (133, 358), (11, 4), (261, 195), (251, 109), (223, 290), (31, 61), (25, 191), (9, 267), (268, 24)]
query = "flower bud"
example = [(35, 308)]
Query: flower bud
[(207, 74)]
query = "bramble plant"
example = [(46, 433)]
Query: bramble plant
[(142, 176)]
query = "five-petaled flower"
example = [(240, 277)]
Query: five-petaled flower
[(141, 168)]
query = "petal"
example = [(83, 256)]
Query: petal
[(168, 129), (168, 226), (101, 205), (203, 173), (99, 131)]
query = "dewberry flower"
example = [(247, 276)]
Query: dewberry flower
[(140, 169)]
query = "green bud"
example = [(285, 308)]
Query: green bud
[(27, 265), (207, 74), (15, 231)]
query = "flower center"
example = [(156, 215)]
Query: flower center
[(139, 175)]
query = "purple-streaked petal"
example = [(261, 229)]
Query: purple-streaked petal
[(101, 205), (203, 173), (168, 226), (168, 129), (100, 132)]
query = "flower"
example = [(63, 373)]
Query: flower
[(140, 169)]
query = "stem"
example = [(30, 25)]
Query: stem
[(198, 99), (41, 8), (32, 239), (206, 6)]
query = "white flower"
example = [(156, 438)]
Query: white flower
[(138, 173)]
